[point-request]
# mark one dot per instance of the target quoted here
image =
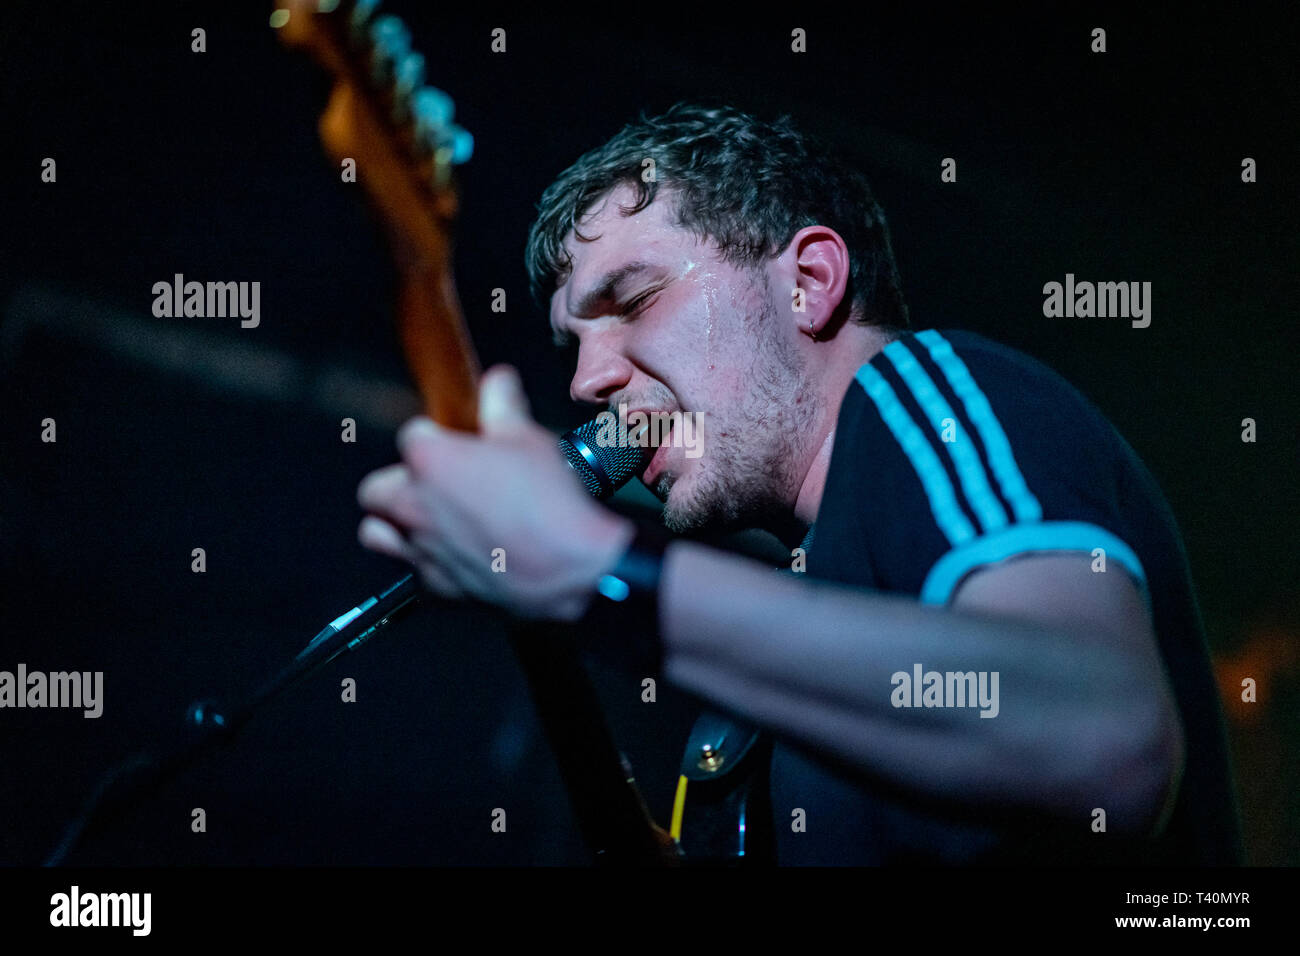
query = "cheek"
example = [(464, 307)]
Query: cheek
[(729, 394), (703, 351)]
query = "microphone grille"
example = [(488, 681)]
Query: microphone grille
[(603, 468)]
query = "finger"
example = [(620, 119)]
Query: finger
[(503, 406), (376, 534), (388, 492), (419, 442)]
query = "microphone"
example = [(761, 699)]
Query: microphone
[(604, 465)]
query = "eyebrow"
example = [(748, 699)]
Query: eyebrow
[(607, 287), (603, 292)]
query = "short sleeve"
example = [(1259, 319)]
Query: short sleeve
[(968, 453)]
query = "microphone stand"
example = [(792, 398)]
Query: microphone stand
[(209, 725), (612, 814)]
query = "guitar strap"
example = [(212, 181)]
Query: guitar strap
[(722, 815)]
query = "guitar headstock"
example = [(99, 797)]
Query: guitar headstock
[(399, 130), (400, 134)]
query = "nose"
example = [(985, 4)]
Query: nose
[(601, 372)]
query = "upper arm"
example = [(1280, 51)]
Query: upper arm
[(1061, 589)]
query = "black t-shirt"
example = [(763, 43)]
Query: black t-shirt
[(952, 452)]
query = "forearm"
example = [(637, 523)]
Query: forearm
[(1076, 720)]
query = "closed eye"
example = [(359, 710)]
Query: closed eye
[(565, 340), (639, 302)]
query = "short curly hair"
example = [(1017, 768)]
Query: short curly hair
[(745, 184)]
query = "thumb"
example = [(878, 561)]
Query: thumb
[(502, 404)]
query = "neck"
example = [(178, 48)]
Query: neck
[(835, 375)]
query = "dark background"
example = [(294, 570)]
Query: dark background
[(183, 433)]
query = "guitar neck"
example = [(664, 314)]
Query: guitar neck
[(412, 190), (400, 137)]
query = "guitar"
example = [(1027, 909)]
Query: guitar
[(401, 136)]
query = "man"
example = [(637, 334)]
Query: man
[(964, 512)]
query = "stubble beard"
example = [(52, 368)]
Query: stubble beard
[(750, 470)]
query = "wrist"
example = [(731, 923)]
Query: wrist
[(623, 611), (606, 544)]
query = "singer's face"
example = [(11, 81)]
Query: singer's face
[(664, 324)]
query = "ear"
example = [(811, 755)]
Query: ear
[(815, 267)]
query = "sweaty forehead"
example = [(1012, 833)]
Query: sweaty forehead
[(626, 246)]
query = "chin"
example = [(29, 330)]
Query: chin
[(678, 513), (688, 508)]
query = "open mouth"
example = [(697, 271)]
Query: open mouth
[(652, 470)]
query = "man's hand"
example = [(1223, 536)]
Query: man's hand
[(456, 498)]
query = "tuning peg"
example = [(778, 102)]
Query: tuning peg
[(361, 14), (409, 74), (462, 145), (390, 37), (432, 110), (390, 41), (454, 146)]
